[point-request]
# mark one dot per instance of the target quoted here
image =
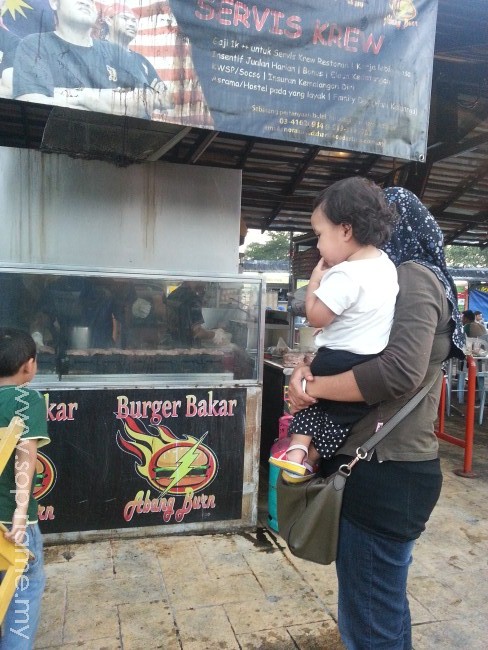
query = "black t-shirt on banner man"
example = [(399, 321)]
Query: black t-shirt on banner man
[(8, 46), (45, 61), (145, 67)]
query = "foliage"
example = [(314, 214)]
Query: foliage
[(466, 256), (277, 247)]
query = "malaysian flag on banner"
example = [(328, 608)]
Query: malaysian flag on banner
[(160, 41)]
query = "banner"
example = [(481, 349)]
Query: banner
[(347, 74), (131, 458), (478, 300)]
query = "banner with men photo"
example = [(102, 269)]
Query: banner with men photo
[(348, 74)]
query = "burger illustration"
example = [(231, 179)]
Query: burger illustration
[(184, 463), (168, 463), (44, 477)]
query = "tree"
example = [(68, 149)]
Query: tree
[(466, 256), (277, 247)]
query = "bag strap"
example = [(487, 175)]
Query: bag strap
[(366, 447)]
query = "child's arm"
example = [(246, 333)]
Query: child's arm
[(25, 466), (318, 314)]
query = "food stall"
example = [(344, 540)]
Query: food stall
[(149, 433), (144, 433)]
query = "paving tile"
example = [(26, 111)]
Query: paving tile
[(264, 562), (259, 615), (472, 588), (283, 582), (217, 545), (215, 591), (226, 564), (261, 540), (317, 636), (148, 626), (184, 554), (418, 613), (448, 635), (245, 590), (133, 558), (326, 589), (54, 554), (83, 570), (117, 591), (167, 546), (435, 597), (242, 541), (80, 552), (96, 644), (51, 623), (180, 568), (90, 619), (321, 579), (206, 627), (278, 639)]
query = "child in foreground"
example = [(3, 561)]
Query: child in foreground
[(351, 297), (18, 508)]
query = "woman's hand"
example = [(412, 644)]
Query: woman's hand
[(297, 398)]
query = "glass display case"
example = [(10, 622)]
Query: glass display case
[(109, 327), (152, 385)]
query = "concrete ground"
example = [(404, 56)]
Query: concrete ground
[(242, 591)]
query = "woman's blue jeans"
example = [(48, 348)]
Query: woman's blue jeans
[(22, 617), (373, 607)]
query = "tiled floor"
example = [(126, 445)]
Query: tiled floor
[(242, 591)]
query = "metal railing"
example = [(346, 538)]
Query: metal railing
[(465, 443)]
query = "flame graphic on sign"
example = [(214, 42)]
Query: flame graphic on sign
[(168, 463)]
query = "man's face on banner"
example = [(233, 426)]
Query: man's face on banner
[(125, 25), (75, 12)]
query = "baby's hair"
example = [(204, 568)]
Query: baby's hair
[(16, 348), (360, 203)]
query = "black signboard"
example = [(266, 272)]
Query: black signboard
[(130, 458)]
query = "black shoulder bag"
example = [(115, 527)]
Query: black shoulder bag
[(309, 512)]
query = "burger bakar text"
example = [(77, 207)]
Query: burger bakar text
[(157, 410)]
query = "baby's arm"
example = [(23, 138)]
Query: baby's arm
[(25, 465), (318, 314)]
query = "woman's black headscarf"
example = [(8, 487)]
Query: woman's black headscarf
[(418, 238)]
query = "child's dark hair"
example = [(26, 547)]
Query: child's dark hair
[(16, 348), (360, 203)]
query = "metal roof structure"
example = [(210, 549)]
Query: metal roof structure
[(280, 179)]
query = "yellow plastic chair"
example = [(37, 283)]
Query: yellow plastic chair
[(9, 437), (13, 560), (13, 557)]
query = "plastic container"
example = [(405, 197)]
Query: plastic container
[(283, 426), (278, 448)]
